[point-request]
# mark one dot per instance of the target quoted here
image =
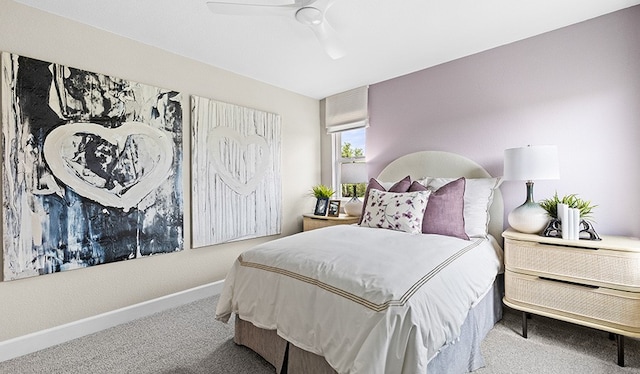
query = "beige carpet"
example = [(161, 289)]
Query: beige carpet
[(187, 340), (553, 347)]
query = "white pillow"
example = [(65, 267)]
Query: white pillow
[(478, 196), (395, 211)]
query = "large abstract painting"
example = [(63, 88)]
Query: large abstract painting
[(92, 168), (236, 191)]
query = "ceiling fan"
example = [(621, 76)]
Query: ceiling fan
[(308, 12)]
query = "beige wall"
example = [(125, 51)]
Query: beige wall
[(33, 304)]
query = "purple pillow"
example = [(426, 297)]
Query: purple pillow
[(445, 210), (400, 186)]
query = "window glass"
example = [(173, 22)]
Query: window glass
[(351, 145)]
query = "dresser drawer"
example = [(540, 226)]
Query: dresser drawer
[(599, 267), (602, 306)]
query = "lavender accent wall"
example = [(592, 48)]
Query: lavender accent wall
[(577, 87)]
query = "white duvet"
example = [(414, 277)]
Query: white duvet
[(368, 300)]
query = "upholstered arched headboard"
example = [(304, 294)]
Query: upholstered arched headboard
[(448, 165)]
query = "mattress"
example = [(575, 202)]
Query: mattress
[(463, 355), (366, 300)]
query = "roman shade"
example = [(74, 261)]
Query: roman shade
[(347, 110)]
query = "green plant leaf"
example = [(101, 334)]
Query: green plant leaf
[(572, 200), (322, 191)]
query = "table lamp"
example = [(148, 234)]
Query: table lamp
[(353, 173), (530, 163)]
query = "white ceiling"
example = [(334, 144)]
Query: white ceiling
[(383, 38)]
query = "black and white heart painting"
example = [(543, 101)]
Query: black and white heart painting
[(92, 168)]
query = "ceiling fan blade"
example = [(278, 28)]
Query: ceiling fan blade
[(301, 9), (241, 9), (328, 37), (298, 3), (260, 7), (323, 5), (258, 2)]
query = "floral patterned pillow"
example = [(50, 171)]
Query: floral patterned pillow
[(395, 211), (400, 186)]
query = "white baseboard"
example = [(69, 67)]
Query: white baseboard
[(36, 341)]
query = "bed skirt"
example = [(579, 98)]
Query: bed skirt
[(462, 356)]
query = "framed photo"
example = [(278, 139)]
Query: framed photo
[(321, 207), (334, 208)]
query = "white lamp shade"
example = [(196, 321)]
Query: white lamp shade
[(353, 172), (531, 163)]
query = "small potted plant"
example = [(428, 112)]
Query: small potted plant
[(322, 193), (572, 201)]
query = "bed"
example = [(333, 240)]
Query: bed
[(364, 299)]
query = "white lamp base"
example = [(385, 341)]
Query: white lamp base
[(353, 207), (529, 218)]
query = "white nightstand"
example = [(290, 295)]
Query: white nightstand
[(591, 283), (311, 221)]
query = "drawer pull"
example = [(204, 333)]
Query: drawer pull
[(567, 246), (567, 282)]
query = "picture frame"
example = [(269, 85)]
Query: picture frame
[(321, 206), (334, 208)]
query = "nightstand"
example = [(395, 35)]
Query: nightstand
[(311, 221), (587, 282)]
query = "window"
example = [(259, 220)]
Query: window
[(349, 147), (346, 117)]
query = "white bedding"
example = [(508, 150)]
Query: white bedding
[(368, 300)]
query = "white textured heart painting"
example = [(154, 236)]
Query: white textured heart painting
[(92, 168), (235, 177)]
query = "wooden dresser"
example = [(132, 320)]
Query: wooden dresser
[(591, 283)]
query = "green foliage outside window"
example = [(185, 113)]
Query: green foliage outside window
[(348, 152)]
